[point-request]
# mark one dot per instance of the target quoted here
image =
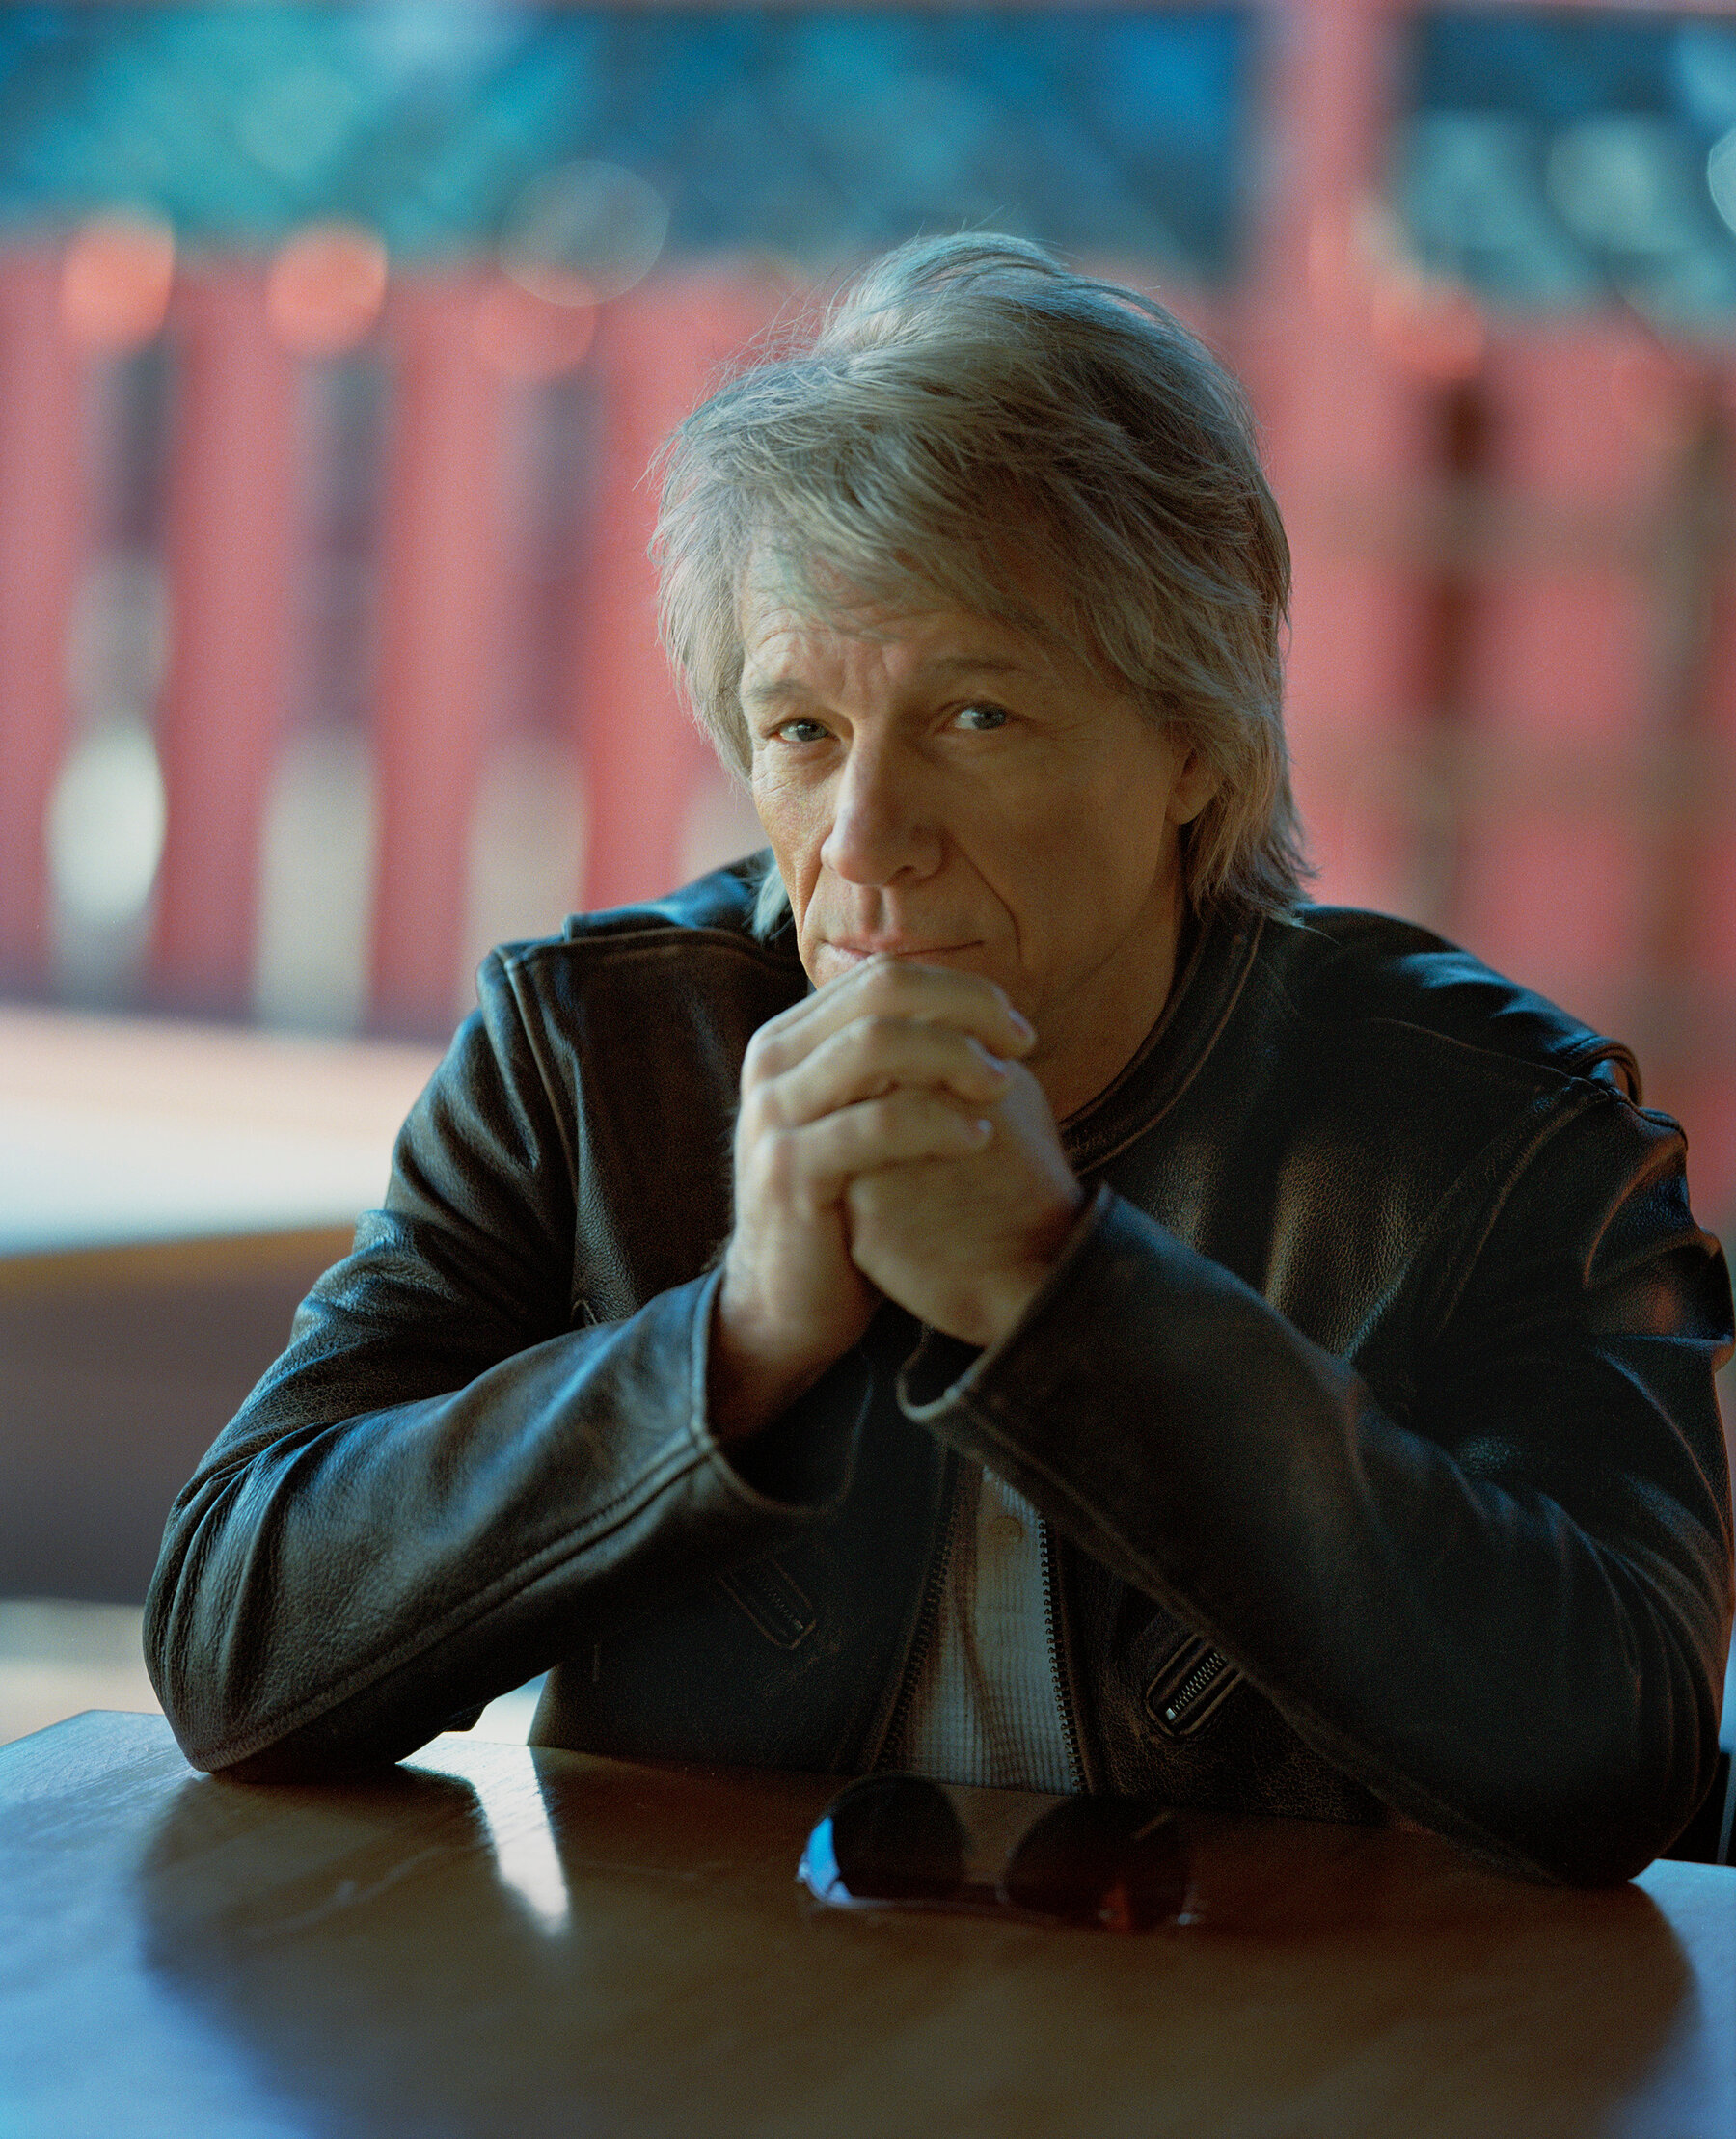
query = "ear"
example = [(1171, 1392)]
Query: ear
[(1196, 783)]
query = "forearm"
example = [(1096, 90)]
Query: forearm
[(1530, 1675), (333, 1591)]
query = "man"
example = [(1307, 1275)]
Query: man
[(1007, 1290)]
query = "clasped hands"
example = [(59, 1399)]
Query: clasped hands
[(890, 1145)]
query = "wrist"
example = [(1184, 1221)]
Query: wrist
[(1000, 1298), (930, 1372), (755, 1369)]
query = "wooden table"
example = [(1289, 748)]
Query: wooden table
[(498, 1943)]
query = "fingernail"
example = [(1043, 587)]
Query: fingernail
[(1023, 1025)]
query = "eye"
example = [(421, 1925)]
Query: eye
[(981, 718), (800, 731)]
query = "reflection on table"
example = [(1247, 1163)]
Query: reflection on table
[(496, 1941)]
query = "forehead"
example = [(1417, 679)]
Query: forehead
[(794, 639), (789, 653)]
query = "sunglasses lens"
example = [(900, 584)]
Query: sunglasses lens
[(1100, 1860), (888, 1838)]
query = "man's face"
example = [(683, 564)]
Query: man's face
[(938, 788)]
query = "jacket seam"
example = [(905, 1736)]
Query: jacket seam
[(665, 1471), (1559, 1110), (552, 1095), (1523, 1068)]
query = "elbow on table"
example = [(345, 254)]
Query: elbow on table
[(236, 1739), (1587, 1826), (240, 1710)]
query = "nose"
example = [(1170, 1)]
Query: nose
[(882, 828)]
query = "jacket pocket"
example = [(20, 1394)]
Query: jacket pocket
[(1190, 1688), (773, 1600)]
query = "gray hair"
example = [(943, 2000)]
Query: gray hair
[(973, 420)]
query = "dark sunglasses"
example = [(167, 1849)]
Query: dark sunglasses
[(899, 1841)]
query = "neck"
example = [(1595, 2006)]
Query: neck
[(1123, 1002)]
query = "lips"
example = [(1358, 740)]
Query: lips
[(898, 948)]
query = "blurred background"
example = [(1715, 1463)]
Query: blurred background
[(333, 344)]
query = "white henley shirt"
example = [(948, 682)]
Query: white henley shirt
[(986, 1707)]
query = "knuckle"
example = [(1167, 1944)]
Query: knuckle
[(779, 1159), (880, 1116), (895, 1115), (769, 1054), (761, 1113), (887, 983)]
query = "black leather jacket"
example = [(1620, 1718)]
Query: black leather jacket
[(1370, 1410)]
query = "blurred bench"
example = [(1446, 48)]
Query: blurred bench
[(170, 1193)]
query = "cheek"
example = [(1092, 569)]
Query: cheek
[(777, 803), (1129, 811), (1086, 859), (794, 822), (1072, 834)]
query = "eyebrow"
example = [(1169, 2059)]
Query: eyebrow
[(773, 689), (790, 690)]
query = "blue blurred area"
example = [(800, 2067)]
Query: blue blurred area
[(1559, 66), (816, 132), (1567, 160)]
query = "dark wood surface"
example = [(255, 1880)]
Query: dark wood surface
[(493, 1942)]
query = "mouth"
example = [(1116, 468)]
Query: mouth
[(861, 950)]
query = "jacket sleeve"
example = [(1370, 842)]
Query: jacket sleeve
[(442, 1480), (1496, 1588)]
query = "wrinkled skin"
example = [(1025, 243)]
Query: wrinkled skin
[(980, 843)]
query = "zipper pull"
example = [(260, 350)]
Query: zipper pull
[(1190, 1688)]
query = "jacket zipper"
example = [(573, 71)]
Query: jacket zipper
[(934, 1589), (1192, 1686), (1069, 1728), (1189, 1688)]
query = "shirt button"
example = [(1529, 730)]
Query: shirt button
[(1006, 1530)]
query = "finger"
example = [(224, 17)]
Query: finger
[(891, 988), (874, 1055), (815, 1163)]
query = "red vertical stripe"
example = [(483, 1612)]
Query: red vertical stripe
[(1345, 428), (1564, 694), (657, 351), (441, 609), (42, 536), (232, 516)]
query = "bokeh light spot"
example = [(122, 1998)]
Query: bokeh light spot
[(326, 288), (106, 825), (598, 221), (296, 120), (115, 281), (1619, 179), (1720, 176)]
